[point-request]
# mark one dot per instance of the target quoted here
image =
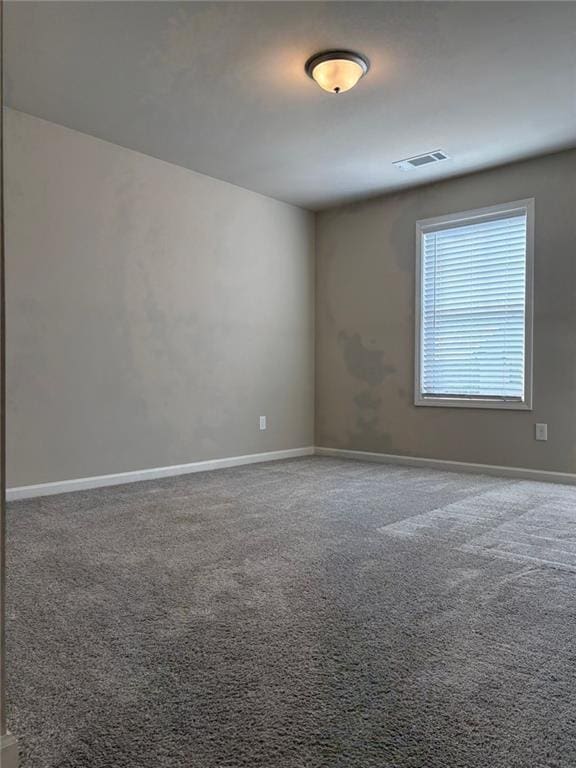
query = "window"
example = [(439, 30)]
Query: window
[(474, 308)]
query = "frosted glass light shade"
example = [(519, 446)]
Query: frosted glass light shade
[(337, 71)]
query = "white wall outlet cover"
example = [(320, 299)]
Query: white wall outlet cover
[(541, 431), (262, 422)]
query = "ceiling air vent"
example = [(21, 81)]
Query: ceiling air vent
[(415, 162)]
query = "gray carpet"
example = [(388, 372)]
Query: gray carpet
[(306, 613)]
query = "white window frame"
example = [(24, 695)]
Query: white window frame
[(460, 219)]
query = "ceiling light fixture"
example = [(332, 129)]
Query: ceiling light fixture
[(337, 71)]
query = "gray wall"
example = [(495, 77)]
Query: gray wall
[(153, 313), (365, 325)]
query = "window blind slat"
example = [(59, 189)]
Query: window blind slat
[(477, 247), (473, 309)]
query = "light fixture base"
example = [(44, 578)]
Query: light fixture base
[(318, 58)]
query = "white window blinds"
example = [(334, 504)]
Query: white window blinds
[(473, 308)]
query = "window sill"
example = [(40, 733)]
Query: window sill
[(456, 402)]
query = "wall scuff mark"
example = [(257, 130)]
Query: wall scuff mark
[(361, 362)]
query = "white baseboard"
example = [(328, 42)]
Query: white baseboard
[(100, 481), (8, 751), (519, 473)]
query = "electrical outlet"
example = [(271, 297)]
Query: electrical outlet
[(262, 423), (541, 431)]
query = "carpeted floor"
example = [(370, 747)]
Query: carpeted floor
[(302, 614)]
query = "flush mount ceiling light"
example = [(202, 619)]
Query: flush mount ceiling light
[(337, 71)]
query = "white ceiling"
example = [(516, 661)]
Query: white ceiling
[(220, 87)]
